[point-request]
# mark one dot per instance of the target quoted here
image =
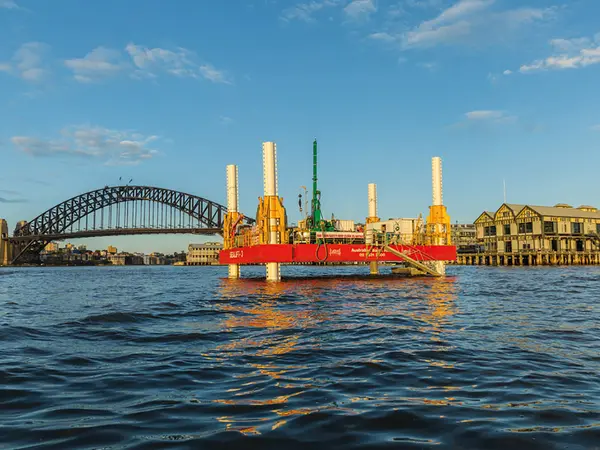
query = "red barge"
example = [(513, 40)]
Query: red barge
[(423, 245)]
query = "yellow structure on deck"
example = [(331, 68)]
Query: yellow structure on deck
[(230, 221), (438, 228), (271, 218)]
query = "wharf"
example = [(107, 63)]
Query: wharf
[(529, 258)]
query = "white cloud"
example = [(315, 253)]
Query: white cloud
[(522, 16), (360, 9), (209, 72), (8, 4), (484, 115), (305, 11), (28, 62), (448, 25), (99, 64), (568, 54), (92, 142), (490, 116), (423, 3), (383, 37), (150, 62), (570, 45), (431, 66), (507, 72), (468, 22), (142, 62), (458, 11), (430, 37)]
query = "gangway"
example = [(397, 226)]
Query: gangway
[(411, 262)]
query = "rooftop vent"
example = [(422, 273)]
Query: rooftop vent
[(588, 208), (562, 205)]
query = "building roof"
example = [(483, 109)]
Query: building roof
[(565, 212), (485, 213), (205, 245), (583, 212), (516, 209)]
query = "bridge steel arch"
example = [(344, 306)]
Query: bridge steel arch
[(31, 237)]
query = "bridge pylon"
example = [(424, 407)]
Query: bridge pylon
[(5, 244)]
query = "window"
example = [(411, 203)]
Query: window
[(489, 231), (526, 227), (508, 247), (576, 228), (550, 227), (598, 228), (507, 230)]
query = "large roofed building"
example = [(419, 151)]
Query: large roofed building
[(535, 235), (204, 254)]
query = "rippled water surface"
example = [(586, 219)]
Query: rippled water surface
[(179, 357)]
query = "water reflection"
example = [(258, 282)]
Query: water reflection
[(269, 321)]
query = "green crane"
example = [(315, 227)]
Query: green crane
[(317, 223), (316, 199)]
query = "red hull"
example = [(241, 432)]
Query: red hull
[(331, 253)]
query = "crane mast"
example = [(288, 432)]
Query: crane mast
[(316, 198)]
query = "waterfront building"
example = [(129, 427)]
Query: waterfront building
[(111, 250), (125, 259), (117, 260), (154, 259), (203, 254), (533, 235), (464, 237)]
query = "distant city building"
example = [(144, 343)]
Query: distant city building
[(125, 259), (464, 237), (82, 248), (69, 247), (135, 260), (117, 260), (111, 250), (52, 247), (154, 259), (204, 254), (525, 234)]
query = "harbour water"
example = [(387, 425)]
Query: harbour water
[(179, 357)]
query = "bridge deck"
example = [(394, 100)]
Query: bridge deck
[(115, 232)]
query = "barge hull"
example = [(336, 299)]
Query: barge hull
[(332, 253)]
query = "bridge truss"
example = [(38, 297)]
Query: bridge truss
[(119, 210)]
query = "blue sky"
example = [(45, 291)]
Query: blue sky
[(168, 93)]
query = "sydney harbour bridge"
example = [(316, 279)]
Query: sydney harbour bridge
[(114, 211)]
